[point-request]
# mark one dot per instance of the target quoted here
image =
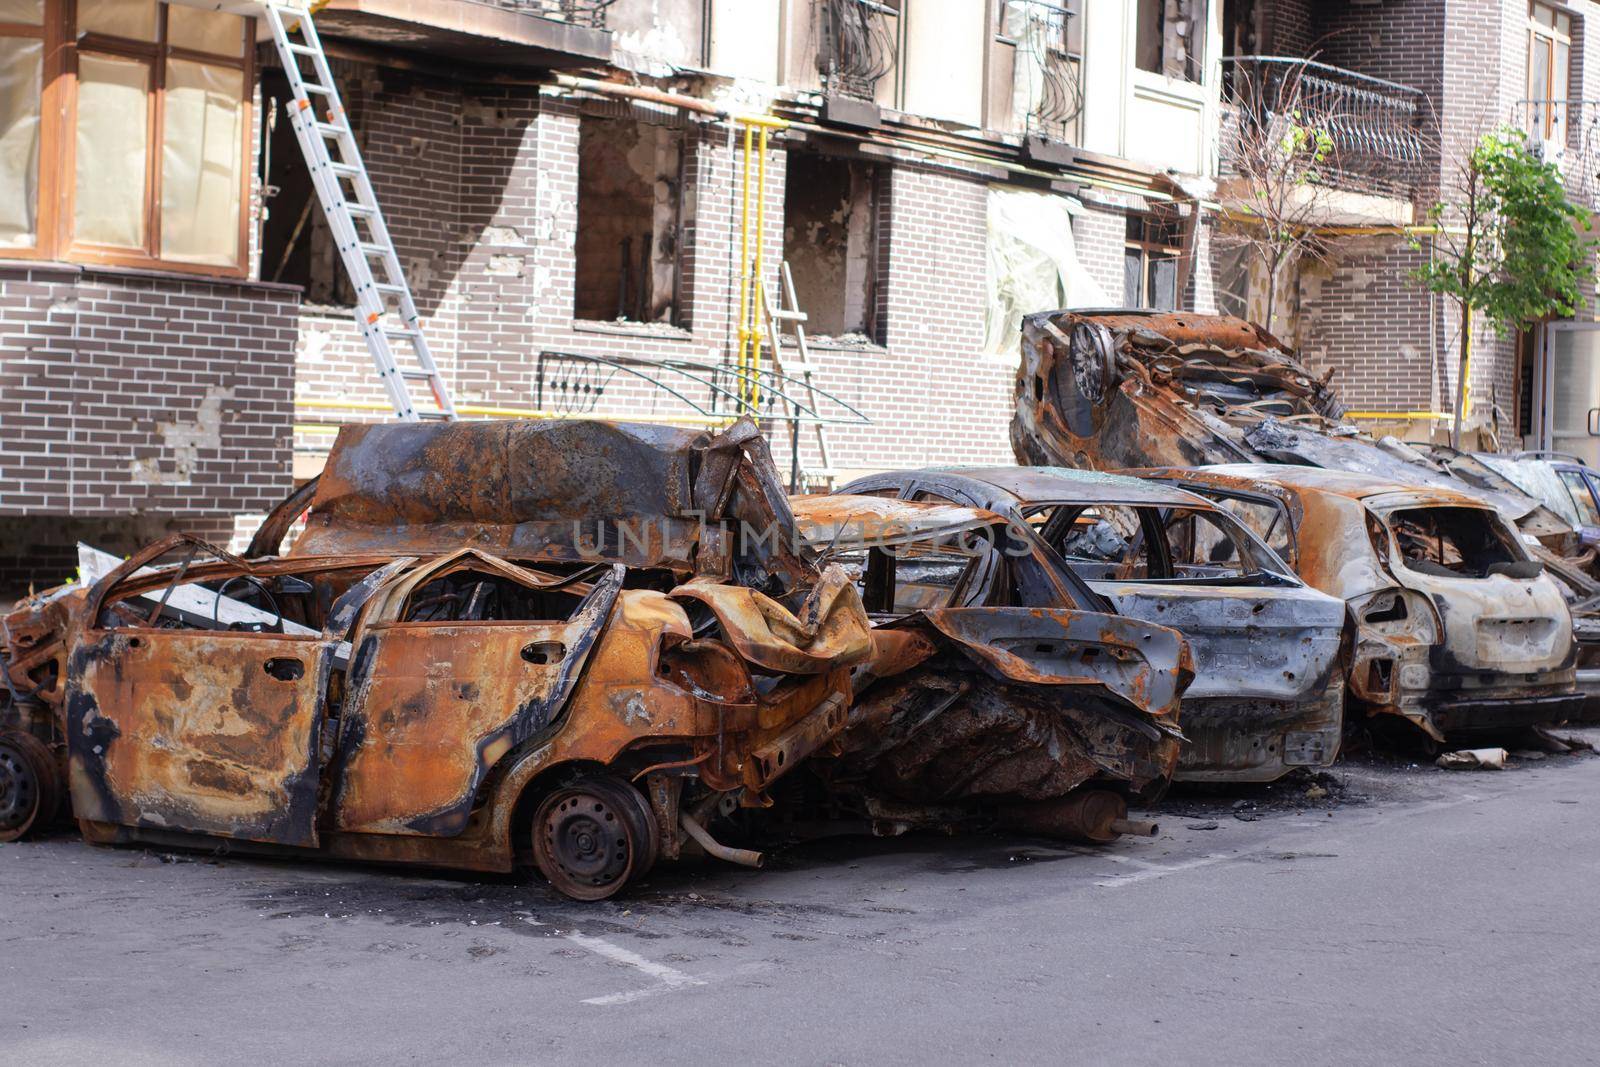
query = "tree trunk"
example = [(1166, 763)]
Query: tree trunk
[(1463, 368)]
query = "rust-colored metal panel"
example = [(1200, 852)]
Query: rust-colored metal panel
[(205, 731), (436, 706)]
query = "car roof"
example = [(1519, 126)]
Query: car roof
[(1349, 484), (1032, 484), (844, 516)]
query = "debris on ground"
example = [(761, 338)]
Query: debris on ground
[(1473, 759)]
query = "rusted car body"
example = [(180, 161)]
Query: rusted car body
[(997, 688), (448, 705), (1268, 692), (1115, 389), (1459, 630)]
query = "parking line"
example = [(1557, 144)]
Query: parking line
[(667, 978)]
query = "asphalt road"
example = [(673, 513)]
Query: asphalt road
[(1416, 915)]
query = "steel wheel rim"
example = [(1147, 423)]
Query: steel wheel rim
[(587, 843), (19, 790)]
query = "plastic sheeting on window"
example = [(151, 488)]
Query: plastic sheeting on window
[(24, 12), (1033, 266), (205, 31), (112, 147), (200, 163), (118, 18), (20, 66)]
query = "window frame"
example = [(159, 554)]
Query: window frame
[(1546, 117), (1149, 250), (55, 239)]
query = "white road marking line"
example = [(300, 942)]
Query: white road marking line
[(669, 978), (1158, 871)]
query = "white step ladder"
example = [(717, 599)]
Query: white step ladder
[(788, 313), (385, 311)]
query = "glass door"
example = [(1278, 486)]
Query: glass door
[(1570, 407)]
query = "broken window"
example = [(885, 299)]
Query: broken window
[(1457, 542), (1169, 38), (630, 180), (474, 595), (296, 244), (1150, 263), (830, 242)]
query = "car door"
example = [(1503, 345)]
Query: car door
[(437, 698), (203, 730)]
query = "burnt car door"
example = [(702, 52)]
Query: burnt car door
[(456, 664), (180, 722)]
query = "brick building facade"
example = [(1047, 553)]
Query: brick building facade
[(143, 395)]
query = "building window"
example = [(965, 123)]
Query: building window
[(1169, 37), (1549, 70), (145, 137), (1150, 263), (830, 242), (1047, 78), (630, 176)]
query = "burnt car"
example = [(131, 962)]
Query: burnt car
[(449, 706), (998, 689), (1459, 630), (1112, 389), (1268, 692)]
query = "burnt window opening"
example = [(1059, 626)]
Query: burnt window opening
[(1457, 543), (830, 243), (1150, 262), (630, 185), (1169, 38), (482, 596), (296, 245)]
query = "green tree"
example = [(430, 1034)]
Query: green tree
[(1507, 244)]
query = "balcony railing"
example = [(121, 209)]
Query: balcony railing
[(591, 13), (1049, 69), (1567, 133), (856, 45), (1374, 128)]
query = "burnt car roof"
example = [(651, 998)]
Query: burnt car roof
[(1029, 484), (1340, 483), (536, 490), (822, 518)]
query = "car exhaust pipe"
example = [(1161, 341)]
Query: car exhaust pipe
[(743, 856), (1091, 817)]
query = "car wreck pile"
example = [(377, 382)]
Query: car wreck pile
[(580, 646), (589, 647)]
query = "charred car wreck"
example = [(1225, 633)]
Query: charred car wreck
[(998, 689), (1268, 692), (1459, 631), (429, 700)]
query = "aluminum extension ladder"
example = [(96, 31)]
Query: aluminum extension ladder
[(788, 313), (385, 311)]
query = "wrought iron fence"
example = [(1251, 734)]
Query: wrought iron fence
[(1049, 65), (590, 13), (1375, 128), (856, 45), (1567, 133)]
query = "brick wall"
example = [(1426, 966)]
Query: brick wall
[(125, 394)]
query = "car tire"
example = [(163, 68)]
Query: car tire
[(593, 836), (30, 785)]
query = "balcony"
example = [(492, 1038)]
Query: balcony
[(1048, 77), (1566, 133), (590, 13), (856, 45), (1375, 129)]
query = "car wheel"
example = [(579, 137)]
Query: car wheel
[(594, 836), (30, 786)]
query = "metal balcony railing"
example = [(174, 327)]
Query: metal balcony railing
[(591, 13), (1049, 70), (1375, 128), (856, 45), (1567, 133)]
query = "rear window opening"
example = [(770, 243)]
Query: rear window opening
[(482, 596), (1457, 543)]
